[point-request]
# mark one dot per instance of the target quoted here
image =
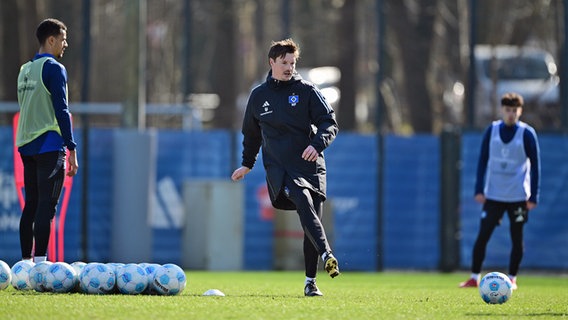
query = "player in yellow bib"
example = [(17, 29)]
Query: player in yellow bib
[(44, 136)]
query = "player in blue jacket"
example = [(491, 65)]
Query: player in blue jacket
[(294, 124), (508, 180)]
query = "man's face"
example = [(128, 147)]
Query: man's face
[(283, 67), (511, 114), (58, 44)]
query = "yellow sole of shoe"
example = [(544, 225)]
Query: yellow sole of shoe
[(331, 267)]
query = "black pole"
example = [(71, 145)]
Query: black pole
[(379, 126), (85, 130), (450, 168)]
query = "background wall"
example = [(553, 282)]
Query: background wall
[(411, 201)]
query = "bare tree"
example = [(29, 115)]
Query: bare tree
[(10, 33), (225, 66), (348, 54), (426, 45), (410, 24)]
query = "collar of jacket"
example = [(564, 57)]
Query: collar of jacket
[(273, 83)]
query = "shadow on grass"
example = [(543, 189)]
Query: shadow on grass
[(530, 315)]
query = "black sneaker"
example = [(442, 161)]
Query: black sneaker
[(331, 266), (311, 290)]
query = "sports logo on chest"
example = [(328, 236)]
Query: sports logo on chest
[(266, 109), (293, 100)]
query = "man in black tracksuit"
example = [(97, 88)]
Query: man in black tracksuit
[(292, 121)]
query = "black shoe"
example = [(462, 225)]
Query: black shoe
[(331, 266), (311, 290)]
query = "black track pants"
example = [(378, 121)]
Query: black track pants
[(491, 217), (309, 206), (43, 181)]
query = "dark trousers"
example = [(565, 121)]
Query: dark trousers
[(309, 206), (43, 181), (491, 217)]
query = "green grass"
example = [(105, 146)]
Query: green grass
[(279, 295)]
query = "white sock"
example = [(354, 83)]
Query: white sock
[(475, 276), (308, 279), (30, 259), (512, 278), (40, 259)]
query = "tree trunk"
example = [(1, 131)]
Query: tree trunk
[(225, 70), (10, 40), (414, 31), (347, 65)]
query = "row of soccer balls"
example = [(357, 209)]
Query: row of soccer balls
[(93, 278)]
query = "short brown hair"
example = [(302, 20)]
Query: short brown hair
[(512, 99), (283, 47), (49, 27)]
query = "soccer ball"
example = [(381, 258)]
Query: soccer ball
[(97, 278), (21, 275), (5, 275), (60, 278), (131, 279), (495, 288), (150, 269), (78, 267), (114, 266), (169, 279), (38, 274)]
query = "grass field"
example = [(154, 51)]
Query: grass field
[(279, 295)]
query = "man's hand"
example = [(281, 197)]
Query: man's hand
[(73, 164), (531, 205), (240, 173), (310, 154), (480, 198)]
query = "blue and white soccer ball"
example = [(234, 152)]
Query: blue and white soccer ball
[(60, 278), (38, 276), (21, 275), (78, 267), (5, 275), (169, 279), (150, 269), (131, 279), (97, 278), (495, 288), (114, 266)]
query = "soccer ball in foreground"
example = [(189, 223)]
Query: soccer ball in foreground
[(169, 279), (97, 278), (60, 278), (21, 275), (5, 275), (38, 274), (495, 288), (131, 279)]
